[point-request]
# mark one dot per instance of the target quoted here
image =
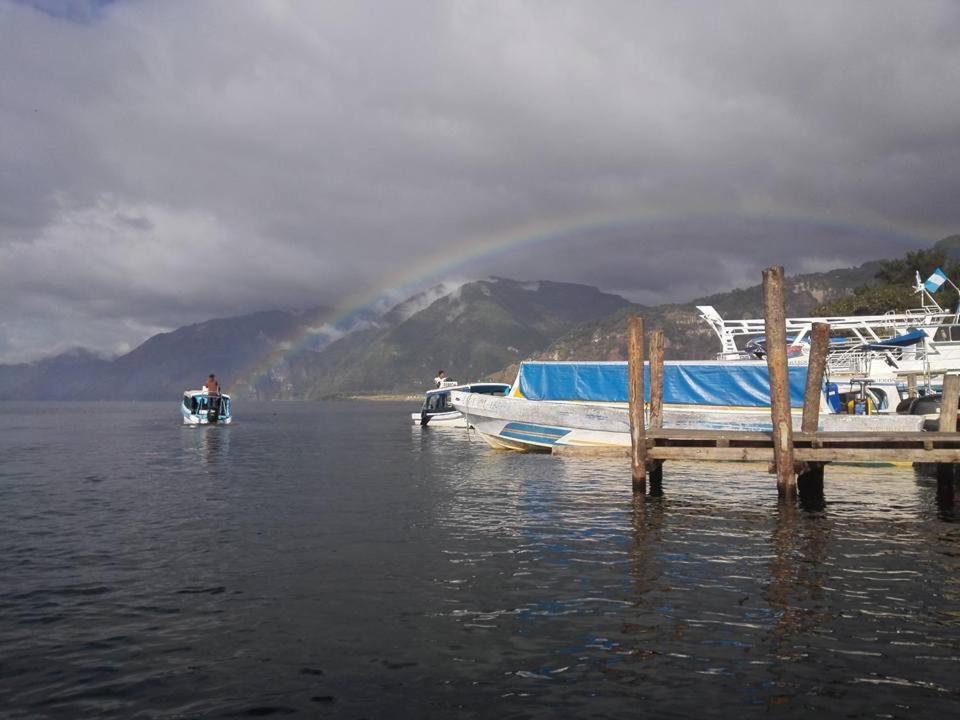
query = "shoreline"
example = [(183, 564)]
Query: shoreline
[(386, 398)]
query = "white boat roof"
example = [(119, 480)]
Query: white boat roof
[(464, 386)]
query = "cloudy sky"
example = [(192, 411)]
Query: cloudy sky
[(166, 161)]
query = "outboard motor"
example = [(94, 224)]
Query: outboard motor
[(213, 409), (928, 405), (862, 403)]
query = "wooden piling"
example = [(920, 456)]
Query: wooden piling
[(638, 434), (949, 403), (774, 313), (948, 423), (912, 385), (656, 379), (810, 480), (656, 404), (816, 365)]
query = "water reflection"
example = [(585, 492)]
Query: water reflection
[(797, 573), (206, 446), (329, 554), (648, 518), (939, 495)]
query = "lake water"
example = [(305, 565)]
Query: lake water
[(330, 560)]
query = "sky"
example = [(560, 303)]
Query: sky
[(167, 161)]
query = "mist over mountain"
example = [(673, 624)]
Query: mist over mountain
[(470, 332)]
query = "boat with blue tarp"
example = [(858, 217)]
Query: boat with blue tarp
[(586, 403)]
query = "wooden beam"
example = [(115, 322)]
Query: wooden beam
[(775, 334), (799, 438), (712, 453), (864, 439), (589, 451), (873, 440), (891, 455), (638, 435), (820, 455), (673, 433)]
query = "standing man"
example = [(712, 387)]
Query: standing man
[(441, 376), (211, 385)]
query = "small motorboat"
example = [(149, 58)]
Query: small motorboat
[(437, 409), (199, 407)]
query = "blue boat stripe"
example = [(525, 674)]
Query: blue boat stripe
[(526, 437), (538, 434), (537, 429)]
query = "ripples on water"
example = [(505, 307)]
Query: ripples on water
[(329, 560)]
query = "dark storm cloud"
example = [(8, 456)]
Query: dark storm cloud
[(310, 151)]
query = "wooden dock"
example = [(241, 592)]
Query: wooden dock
[(797, 458), (913, 447), (757, 447)]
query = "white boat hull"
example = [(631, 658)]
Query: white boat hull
[(450, 419), (190, 419), (517, 424)]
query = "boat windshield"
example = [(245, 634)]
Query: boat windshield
[(201, 403), (438, 402), (500, 390)]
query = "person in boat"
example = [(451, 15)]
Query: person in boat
[(211, 385), (440, 378)]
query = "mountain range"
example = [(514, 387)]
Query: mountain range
[(481, 329), (167, 363)]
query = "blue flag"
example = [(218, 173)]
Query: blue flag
[(935, 281)]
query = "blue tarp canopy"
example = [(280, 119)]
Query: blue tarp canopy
[(911, 338), (715, 384)]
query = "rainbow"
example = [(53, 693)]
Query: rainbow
[(458, 255)]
